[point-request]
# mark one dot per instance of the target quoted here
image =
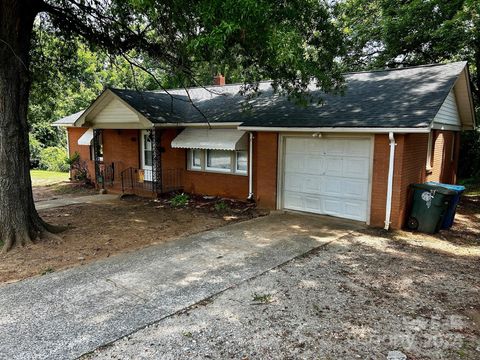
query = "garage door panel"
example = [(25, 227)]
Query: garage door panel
[(356, 167), (333, 166), (334, 146), (293, 182), (359, 147), (327, 176), (294, 162), (293, 200), (345, 188), (297, 145), (314, 164)]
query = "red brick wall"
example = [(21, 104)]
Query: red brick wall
[(265, 169), (74, 133), (443, 168), (122, 148)]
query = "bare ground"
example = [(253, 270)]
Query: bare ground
[(100, 230), (62, 189), (362, 296)]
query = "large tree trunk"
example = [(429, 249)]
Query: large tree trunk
[(19, 221)]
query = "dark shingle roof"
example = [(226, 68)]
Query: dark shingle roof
[(400, 98)]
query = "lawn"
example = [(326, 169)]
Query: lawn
[(45, 178)]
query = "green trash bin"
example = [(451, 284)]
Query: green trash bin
[(429, 206)]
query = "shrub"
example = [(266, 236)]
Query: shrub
[(78, 167), (179, 200), (35, 149), (469, 165), (54, 159)]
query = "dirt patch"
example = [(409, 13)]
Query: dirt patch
[(63, 189), (100, 230)]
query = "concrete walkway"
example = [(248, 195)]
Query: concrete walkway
[(65, 201), (66, 314)]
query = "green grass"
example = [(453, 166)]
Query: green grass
[(45, 178)]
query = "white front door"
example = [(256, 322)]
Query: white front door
[(327, 176), (146, 155)]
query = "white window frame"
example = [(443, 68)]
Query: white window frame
[(233, 170), (192, 159), (215, 169), (237, 170), (428, 165)]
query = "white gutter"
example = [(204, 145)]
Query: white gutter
[(374, 130), (388, 207), (200, 125), (250, 168)]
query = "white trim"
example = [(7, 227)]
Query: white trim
[(232, 125), (237, 171), (391, 163), (250, 167), (337, 130), (440, 126), (428, 165), (104, 99)]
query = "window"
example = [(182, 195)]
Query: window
[(220, 160), (224, 161), (241, 162), (196, 159), (429, 151), (147, 150)]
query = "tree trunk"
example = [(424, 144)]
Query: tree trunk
[(19, 221)]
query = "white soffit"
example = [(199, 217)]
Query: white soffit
[(86, 138), (213, 139)]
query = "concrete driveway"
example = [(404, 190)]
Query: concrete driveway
[(66, 314)]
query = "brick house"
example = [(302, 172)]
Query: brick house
[(352, 155)]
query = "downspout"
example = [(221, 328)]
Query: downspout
[(388, 207), (250, 167)]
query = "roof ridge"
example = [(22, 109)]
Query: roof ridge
[(206, 87), (403, 68)]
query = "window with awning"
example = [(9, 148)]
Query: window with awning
[(211, 139), (86, 138), (214, 150)]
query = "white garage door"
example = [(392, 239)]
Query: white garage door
[(327, 176)]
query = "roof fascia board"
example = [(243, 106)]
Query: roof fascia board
[(470, 97), (199, 125), (370, 130), (440, 126), (81, 120)]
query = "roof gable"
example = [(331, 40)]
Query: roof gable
[(447, 117), (109, 111)]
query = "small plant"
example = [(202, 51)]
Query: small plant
[(221, 206), (78, 167), (187, 334), (47, 271), (179, 200), (262, 298)]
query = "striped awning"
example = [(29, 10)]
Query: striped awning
[(213, 139)]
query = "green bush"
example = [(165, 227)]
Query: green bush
[(35, 147), (179, 200), (54, 159), (469, 164)]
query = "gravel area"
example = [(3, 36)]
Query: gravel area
[(361, 296)]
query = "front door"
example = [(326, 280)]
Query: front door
[(146, 154)]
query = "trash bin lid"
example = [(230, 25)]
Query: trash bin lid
[(430, 187), (457, 188)]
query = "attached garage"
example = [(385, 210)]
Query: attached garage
[(327, 175)]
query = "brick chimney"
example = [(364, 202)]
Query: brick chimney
[(219, 80)]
